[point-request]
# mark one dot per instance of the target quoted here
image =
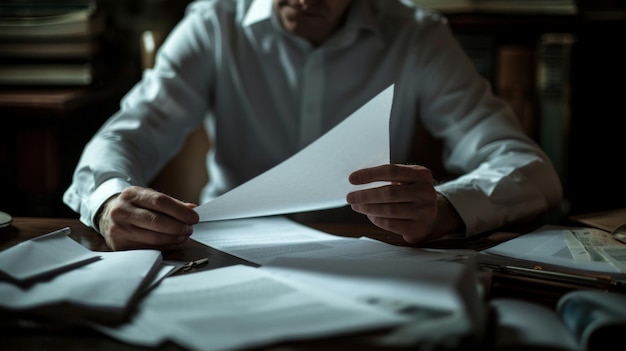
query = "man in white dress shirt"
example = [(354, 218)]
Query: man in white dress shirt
[(268, 77)]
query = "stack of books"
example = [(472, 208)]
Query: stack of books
[(52, 43), (528, 7)]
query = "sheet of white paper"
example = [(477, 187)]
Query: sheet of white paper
[(261, 239), (441, 298), (429, 284), (316, 177), (45, 254), (239, 306), (145, 329), (367, 249), (547, 245), (108, 283)]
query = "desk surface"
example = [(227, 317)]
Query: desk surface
[(37, 336), (24, 228)]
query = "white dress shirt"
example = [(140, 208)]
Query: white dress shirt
[(264, 94)]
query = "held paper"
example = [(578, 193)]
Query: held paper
[(360, 141)]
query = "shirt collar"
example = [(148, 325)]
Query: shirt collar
[(259, 11), (360, 17)]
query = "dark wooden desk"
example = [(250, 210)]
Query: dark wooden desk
[(25, 228), (37, 335)]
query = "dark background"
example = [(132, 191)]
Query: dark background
[(39, 147)]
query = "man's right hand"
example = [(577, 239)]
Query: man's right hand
[(143, 218)]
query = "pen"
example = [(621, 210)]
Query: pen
[(184, 266), (539, 272), (192, 264), (597, 281)]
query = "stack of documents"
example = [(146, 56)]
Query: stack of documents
[(311, 284), (241, 306), (580, 256), (56, 277)]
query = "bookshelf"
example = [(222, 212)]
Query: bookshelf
[(63, 70), (571, 107), (49, 121), (53, 44)]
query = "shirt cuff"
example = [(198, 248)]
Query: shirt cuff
[(471, 205), (107, 189)]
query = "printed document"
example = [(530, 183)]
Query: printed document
[(260, 240), (103, 290), (241, 306), (440, 298), (547, 247), (44, 256)]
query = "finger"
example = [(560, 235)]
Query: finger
[(396, 211), (150, 238), (391, 173), (413, 232), (159, 202), (136, 220), (398, 226), (127, 236), (419, 193), (382, 194), (124, 215), (191, 205)]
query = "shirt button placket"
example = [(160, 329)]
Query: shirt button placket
[(311, 99)]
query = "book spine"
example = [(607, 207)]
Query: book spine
[(527, 7), (46, 74), (554, 89), (480, 49), (515, 83), (69, 22), (56, 44)]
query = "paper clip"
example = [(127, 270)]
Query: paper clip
[(192, 264)]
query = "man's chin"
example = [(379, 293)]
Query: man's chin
[(301, 26)]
